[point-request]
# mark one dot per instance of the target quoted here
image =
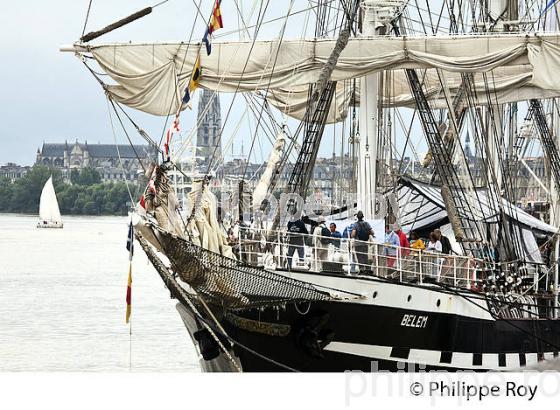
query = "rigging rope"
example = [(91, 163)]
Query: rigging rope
[(282, 32), (118, 151), (163, 131), (87, 18), (260, 17)]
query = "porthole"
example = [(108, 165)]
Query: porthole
[(438, 303), (374, 294), (409, 298)]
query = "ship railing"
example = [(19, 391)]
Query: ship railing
[(315, 253)]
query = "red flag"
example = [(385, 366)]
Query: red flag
[(216, 19), (129, 293)]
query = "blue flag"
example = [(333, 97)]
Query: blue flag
[(187, 96), (206, 41)]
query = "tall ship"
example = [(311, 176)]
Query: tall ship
[(262, 279)]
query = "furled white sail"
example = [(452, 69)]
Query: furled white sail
[(151, 77), (259, 194), (48, 206)]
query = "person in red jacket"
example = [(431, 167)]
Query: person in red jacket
[(402, 238)]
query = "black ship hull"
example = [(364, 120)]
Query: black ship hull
[(394, 327)]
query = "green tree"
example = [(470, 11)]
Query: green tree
[(67, 196), (75, 177), (90, 208), (83, 198), (5, 194), (27, 190), (87, 177)]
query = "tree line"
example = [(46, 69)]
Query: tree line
[(85, 195)]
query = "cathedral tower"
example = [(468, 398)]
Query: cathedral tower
[(208, 141)]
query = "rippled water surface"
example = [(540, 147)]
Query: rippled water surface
[(62, 301)]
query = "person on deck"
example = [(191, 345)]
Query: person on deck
[(434, 246), (362, 231), (416, 242), (321, 240), (391, 238), (444, 240), (296, 230), (402, 239), (347, 232), (335, 235)]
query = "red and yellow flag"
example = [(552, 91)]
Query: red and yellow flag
[(129, 293), (130, 249), (216, 19)]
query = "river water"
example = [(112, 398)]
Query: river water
[(62, 301)]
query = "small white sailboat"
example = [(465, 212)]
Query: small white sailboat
[(49, 213)]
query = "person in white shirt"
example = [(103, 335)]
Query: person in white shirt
[(434, 246)]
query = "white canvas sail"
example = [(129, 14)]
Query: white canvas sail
[(48, 206), (151, 78)]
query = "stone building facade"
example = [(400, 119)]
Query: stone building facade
[(113, 162), (13, 171)]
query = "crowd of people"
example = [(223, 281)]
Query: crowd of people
[(323, 236)]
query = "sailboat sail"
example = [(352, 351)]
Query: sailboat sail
[(48, 206)]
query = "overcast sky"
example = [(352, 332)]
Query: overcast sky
[(49, 96)]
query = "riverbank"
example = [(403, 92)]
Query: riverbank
[(85, 196)]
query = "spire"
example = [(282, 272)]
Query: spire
[(468, 151), (208, 138)]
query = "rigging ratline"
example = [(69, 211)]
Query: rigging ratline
[(320, 99), (466, 230), (550, 148)]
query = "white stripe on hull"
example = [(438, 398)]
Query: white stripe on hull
[(432, 358), (396, 295)]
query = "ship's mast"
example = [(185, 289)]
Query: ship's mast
[(501, 16), (554, 211), (554, 192), (555, 208), (377, 15)]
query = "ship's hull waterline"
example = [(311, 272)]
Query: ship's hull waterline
[(429, 329)]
